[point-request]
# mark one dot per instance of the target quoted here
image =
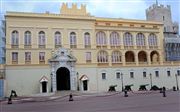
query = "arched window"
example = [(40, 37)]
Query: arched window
[(73, 40), (27, 38), (152, 40), (140, 39), (101, 38), (102, 57), (129, 56), (87, 40), (114, 39), (128, 39), (116, 57), (142, 56), (15, 38), (57, 39), (42, 39)]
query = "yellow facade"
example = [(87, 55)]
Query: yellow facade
[(79, 21)]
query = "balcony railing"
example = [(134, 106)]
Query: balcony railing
[(27, 46), (14, 46)]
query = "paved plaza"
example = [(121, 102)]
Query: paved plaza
[(115, 102)]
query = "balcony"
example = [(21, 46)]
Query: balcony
[(172, 40), (14, 62), (87, 46), (73, 46), (42, 46), (117, 63), (27, 46), (42, 62), (115, 47), (28, 62), (58, 46), (101, 46), (14, 46)]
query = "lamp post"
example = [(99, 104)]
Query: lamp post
[(177, 82), (51, 82), (122, 81), (150, 79), (77, 81)]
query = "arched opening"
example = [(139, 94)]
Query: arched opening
[(63, 79), (154, 56), (129, 56), (142, 56)]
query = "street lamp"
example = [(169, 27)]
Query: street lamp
[(77, 81), (177, 82), (122, 81), (150, 79), (51, 82)]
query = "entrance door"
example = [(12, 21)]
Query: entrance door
[(63, 79), (85, 85), (44, 87)]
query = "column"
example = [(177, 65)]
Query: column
[(146, 41), (136, 58), (109, 59), (107, 39), (148, 58), (121, 40), (134, 40), (123, 59)]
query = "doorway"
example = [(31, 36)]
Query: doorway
[(85, 85), (63, 79), (44, 87)]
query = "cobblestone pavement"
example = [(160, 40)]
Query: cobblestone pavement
[(109, 102)]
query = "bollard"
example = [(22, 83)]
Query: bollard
[(125, 93), (70, 97), (174, 88), (9, 100), (164, 91)]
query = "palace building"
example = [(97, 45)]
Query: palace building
[(74, 50)]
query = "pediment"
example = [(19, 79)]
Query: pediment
[(62, 54)]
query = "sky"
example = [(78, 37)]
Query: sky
[(128, 9)]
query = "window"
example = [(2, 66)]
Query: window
[(140, 39), (101, 38), (27, 38), (102, 57), (168, 73), (42, 39), (131, 74), (57, 39), (27, 56), (157, 73), (116, 57), (103, 76), (144, 74), (114, 39), (42, 56), (178, 72), (14, 56), (15, 38), (87, 40), (88, 56), (117, 75), (128, 39), (163, 18), (72, 40), (152, 40)]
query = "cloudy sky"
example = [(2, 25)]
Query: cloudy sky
[(131, 9)]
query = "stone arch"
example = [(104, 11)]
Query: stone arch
[(129, 56), (154, 56), (142, 56)]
